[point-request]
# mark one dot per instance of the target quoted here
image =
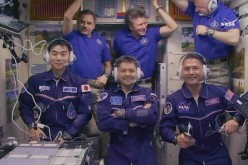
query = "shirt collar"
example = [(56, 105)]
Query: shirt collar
[(93, 34)]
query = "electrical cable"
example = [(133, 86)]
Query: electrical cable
[(13, 109), (23, 86), (8, 3), (26, 41)]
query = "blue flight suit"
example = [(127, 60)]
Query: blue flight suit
[(64, 105), (205, 117), (129, 144)]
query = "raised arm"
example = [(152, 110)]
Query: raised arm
[(170, 24), (102, 80), (181, 4), (68, 16)]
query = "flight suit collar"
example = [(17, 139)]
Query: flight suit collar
[(136, 87), (187, 93), (50, 76)]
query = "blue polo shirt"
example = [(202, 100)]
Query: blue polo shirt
[(91, 53), (222, 19), (143, 49)]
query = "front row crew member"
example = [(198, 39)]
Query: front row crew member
[(196, 109), (63, 99), (129, 112)]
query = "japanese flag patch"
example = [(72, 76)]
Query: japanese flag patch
[(167, 108), (85, 88)]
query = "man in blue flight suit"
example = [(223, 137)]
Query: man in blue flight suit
[(197, 109), (129, 112), (61, 98)]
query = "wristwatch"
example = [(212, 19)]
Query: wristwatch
[(32, 126), (107, 74), (236, 118), (157, 9), (174, 140), (66, 136), (211, 32)]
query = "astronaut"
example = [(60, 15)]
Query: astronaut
[(198, 109), (129, 112), (61, 98)]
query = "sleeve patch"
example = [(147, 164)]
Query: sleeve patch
[(85, 88), (167, 108), (154, 96), (102, 96), (229, 94)]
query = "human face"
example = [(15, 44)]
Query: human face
[(202, 7), (59, 57), (139, 26), (192, 71), (127, 74), (86, 24)]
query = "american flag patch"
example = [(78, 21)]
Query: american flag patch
[(229, 94)]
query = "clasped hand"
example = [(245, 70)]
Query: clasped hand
[(201, 30), (231, 126), (185, 141)]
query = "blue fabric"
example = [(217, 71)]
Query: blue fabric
[(64, 106), (143, 49), (129, 144), (217, 156), (181, 109), (222, 19), (91, 53)]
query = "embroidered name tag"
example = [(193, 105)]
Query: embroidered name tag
[(116, 100), (70, 89), (44, 88), (138, 98), (212, 101)]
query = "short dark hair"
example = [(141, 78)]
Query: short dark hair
[(128, 59), (194, 55), (61, 42), (86, 12), (132, 13)]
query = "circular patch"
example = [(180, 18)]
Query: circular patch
[(167, 108), (86, 88), (102, 96), (99, 42), (154, 96)]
